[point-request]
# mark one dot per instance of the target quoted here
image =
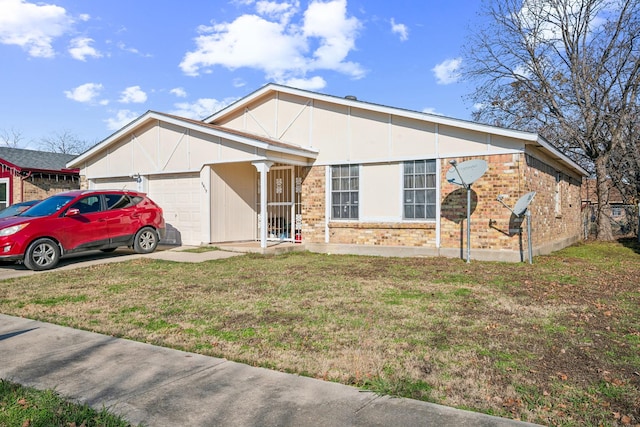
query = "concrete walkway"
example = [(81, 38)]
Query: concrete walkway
[(162, 387)]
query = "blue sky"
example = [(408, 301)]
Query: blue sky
[(90, 67)]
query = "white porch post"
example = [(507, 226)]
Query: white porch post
[(263, 168)]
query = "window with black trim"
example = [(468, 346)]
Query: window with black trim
[(345, 183), (121, 201), (420, 189), (89, 204)]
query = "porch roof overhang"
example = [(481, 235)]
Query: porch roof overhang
[(267, 144)]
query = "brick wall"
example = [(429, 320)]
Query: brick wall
[(39, 187), (493, 226), (313, 204)]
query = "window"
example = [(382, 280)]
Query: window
[(558, 194), (344, 191), (420, 189), (88, 204), (121, 201)]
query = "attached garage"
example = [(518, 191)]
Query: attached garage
[(204, 177), (179, 197)]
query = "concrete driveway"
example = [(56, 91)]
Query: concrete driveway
[(84, 259)]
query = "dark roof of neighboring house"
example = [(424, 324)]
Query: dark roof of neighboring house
[(35, 160)]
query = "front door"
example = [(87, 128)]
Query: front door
[(280, 206)]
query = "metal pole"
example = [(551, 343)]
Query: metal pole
[(528, 215), (468, 223)]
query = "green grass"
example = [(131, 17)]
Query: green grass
[(25, 406), (556, 342)]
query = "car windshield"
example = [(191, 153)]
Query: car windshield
[(47, 206)]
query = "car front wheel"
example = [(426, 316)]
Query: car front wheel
[(42, 254), (145, 241)]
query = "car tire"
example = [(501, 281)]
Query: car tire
[(145, 241), (42, 254)]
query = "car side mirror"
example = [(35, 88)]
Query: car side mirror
[(72, 212)]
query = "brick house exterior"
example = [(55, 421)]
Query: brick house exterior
[(34, 175), (342, 176)]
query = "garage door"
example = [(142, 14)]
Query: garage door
[(115, 184), (179, 197)]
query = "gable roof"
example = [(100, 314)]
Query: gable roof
[(33, 160), (350, 101), (200, 126)]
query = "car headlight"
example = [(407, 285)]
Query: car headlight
[(12, 230)]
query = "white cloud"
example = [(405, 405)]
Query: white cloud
[(282, 49), (336, 33), (86, 93), (80, 48), (238, 82), (200, 109), (122, 118), (32, 26), (448, 71), (314, 83), (179, 92), (133, 94), (280, 11), (400, 29)]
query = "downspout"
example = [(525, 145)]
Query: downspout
[(22, 185)]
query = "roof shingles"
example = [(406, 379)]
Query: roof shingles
[(35, 160)]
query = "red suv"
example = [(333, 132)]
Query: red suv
[(81, 220)]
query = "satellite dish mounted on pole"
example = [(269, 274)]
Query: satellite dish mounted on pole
[(465, 174), (522, 208)]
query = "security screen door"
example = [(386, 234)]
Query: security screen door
[(283, 204)]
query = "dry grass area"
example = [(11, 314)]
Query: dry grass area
[(556, 342)]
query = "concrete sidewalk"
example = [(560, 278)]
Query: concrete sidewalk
[(162, 387)]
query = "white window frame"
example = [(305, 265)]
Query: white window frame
[(425, 188), (7, 193), (350, 204)]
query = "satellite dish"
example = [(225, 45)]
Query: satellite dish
[(466, 173), (523, 203)]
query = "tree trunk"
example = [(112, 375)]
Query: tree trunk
[(603, 226)]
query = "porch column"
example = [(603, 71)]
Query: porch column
[(263, 168)]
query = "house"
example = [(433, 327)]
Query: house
[(341, 176), (622, 214), (33, 175)]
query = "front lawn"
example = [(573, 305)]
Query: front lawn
[(556, 342)]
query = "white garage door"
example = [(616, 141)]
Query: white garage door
[(179, 197), (114, 184)]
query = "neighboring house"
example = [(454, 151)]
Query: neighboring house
[(622, 215), (340, 176), (30, 175)]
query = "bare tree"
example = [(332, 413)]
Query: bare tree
[(568, 69), (11, 138), (624, 164), (64, 142)]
